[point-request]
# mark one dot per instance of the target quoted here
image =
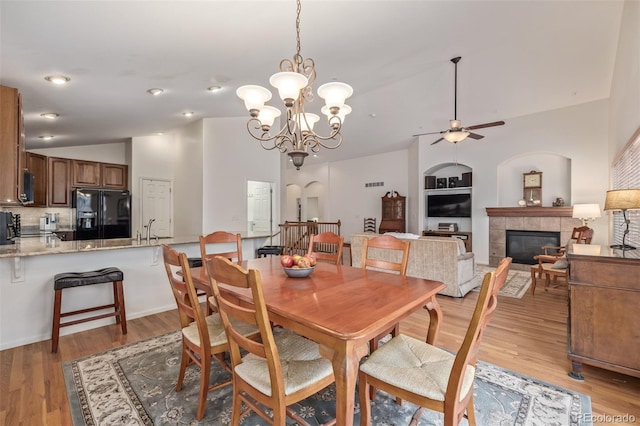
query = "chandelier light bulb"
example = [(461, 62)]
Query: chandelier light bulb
[(254, 97), (289, 85), (267, 116), (335, 93)]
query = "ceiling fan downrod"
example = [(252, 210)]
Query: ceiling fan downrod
[(455, 87)]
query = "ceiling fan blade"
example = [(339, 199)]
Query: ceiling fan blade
[(430, 133), (433, 143), (475, 136), (482, 126)]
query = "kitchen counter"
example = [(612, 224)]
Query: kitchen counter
[(27, 269), (50, 244)]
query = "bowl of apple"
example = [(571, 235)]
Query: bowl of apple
[(297, 266)]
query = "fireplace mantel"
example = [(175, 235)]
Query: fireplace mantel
[(530, 211)]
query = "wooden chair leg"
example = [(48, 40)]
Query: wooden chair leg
[(122, 317), (365, 400), (116, 300), (55, 331), (533, 280)]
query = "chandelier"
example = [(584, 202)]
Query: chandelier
[(294, 85)]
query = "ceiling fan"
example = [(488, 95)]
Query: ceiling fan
[(457, 133)]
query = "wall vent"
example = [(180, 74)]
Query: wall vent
[(372, 184)]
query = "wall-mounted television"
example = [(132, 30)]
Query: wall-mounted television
[(449, 205)]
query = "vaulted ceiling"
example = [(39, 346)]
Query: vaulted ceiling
[(518, 58)]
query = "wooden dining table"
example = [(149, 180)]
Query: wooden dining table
[(341, 308)]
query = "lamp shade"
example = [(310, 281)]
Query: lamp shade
[(344, 110), (306, 121), (586, 211), (622, 199), (335, 93), (268, 114), (288, 84), (254, 97)]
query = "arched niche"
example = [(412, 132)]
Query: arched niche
[(556, 178), (313, 202), (446, 171)]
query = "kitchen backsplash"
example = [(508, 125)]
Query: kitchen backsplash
[(30, 216)]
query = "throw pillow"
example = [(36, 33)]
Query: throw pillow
[(560, 264)]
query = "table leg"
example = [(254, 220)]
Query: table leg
[(346, 363), (435, 315)]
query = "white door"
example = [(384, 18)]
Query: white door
[(157, 204), (260, 206)]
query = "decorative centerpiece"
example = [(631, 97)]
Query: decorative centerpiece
[(297, 266)]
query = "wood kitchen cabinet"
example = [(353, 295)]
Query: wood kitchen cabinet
[(86, 174), (37, 165), (393, 213), (604, 295), (114, 176), (12, 160), (59, 182)]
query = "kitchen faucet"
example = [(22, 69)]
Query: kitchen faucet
[(148, 227)]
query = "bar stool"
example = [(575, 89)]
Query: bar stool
[(80, 279), (269, 250)]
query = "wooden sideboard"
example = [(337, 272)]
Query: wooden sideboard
[(604, 295)]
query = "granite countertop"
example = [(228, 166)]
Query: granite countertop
[(50, 244)]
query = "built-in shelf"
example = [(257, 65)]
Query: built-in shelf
[(530, 211)]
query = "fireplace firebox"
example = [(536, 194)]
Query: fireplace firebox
[(522, 246)]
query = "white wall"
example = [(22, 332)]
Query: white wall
[(578, 133), (625, 86), (116, 153), (151, 157), (348, 199), (188, 180), (231, 158)]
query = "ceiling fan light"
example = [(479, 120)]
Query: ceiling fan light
[(455, 124), (289, 85), (455, 136), (335, 93)]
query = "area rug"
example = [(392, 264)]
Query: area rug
[(517, 284), (135, 385)]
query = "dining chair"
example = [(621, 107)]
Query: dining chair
[(276, 371), (397, 253), (327, 246), (553, 263), (203, 338), (223, 240), (428, 376)]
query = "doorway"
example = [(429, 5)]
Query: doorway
[(157, 204), (260, 207)]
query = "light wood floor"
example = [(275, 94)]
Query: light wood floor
[(526, 335)]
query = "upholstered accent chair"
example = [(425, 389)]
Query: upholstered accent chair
[(277, 371), (429, 376)]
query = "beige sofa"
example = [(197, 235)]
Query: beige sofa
[(438, 258)]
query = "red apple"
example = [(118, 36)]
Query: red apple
[(312, 258), (286, 261)]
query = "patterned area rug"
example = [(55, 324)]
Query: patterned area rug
[(135, 385), (517, 284)]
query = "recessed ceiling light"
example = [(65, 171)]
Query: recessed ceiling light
[(159, 133), (188, 114), (57, 79), (214, 88), (46, 137), (155, 91), (49, 115)]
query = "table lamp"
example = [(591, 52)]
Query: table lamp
[(623, 199), (586, 212)]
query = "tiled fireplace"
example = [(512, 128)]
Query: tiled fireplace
[(549, 219)]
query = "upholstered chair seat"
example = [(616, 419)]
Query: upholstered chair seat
[(301, 363), (411, 364)]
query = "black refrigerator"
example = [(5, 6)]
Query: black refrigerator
[(102, 214)]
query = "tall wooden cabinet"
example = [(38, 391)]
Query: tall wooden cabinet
[(59, 182), (393, 213), (604, 295), (12, 160)]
